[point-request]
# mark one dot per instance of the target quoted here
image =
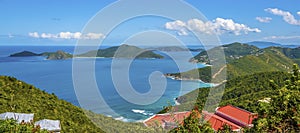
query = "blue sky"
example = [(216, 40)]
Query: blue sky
[(60, 22)]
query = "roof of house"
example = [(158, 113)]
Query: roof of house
[(19, 117), (50, 125), (167, 118), (236, 115), (218, 122)]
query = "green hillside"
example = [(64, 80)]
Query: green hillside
[(17, 96), (231, 51), (123, 51), (266, 60), (243, 91)]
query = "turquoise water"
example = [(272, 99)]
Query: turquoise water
[(55, 76)]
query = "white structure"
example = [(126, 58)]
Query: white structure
[(50, 125), (19, 117)]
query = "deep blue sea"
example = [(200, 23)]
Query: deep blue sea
[(55, 76)]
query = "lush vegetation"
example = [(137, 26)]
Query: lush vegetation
[(123, 51), (203, 73), (267, 60), (273, 95), (17, 96), (59, 55), (11, 126), (243, 91), (282, 112), (231, 51)]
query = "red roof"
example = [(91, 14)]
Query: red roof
[(173, 119), (236, 115), (218, 122), (229, 115)]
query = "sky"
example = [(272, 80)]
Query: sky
[(64, 22)]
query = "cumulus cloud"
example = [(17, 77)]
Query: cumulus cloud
[(177, 25), (67, 35), (264, 19), (34, 34), (298, 13), (287, 16), (219, 26)]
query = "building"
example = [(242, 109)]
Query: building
[(167, 120), (50, 125), (19, 117), (237, 115), (232, 116)]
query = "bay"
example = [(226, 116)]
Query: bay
[(55, 76)]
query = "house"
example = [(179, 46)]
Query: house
[(237, 115), (232, 116), (167, 120), (19, 117), (218, 122), (50, 125)]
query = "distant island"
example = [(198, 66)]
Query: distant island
[(59, 55), (174, 49), (24, 54), (123, 51)]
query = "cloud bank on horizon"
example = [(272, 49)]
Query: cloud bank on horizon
[(67, 35)]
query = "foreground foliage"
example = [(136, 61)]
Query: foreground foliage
[(10, 125), (17, 96), (282, 114)]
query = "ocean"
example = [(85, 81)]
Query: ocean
[(55, 76)]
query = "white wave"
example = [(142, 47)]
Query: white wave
[(144, 112), (138, 111), (121, 118)]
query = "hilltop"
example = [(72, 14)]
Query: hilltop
[(123, 51), (244, 59)]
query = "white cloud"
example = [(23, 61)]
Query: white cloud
[(287, 16), (34, 34), (281, 37), (264, 19), (48, 35), (219, 26), (298, 13), (177, 25), (68, 35)]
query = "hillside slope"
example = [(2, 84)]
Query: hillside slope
[(245, 63), (244, 92), (17, 96)]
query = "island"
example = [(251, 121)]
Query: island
[(58, 55), (175, 49), (123, 51), (24, 54)]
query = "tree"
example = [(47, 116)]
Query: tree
[(192, 124), (282, 114)]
